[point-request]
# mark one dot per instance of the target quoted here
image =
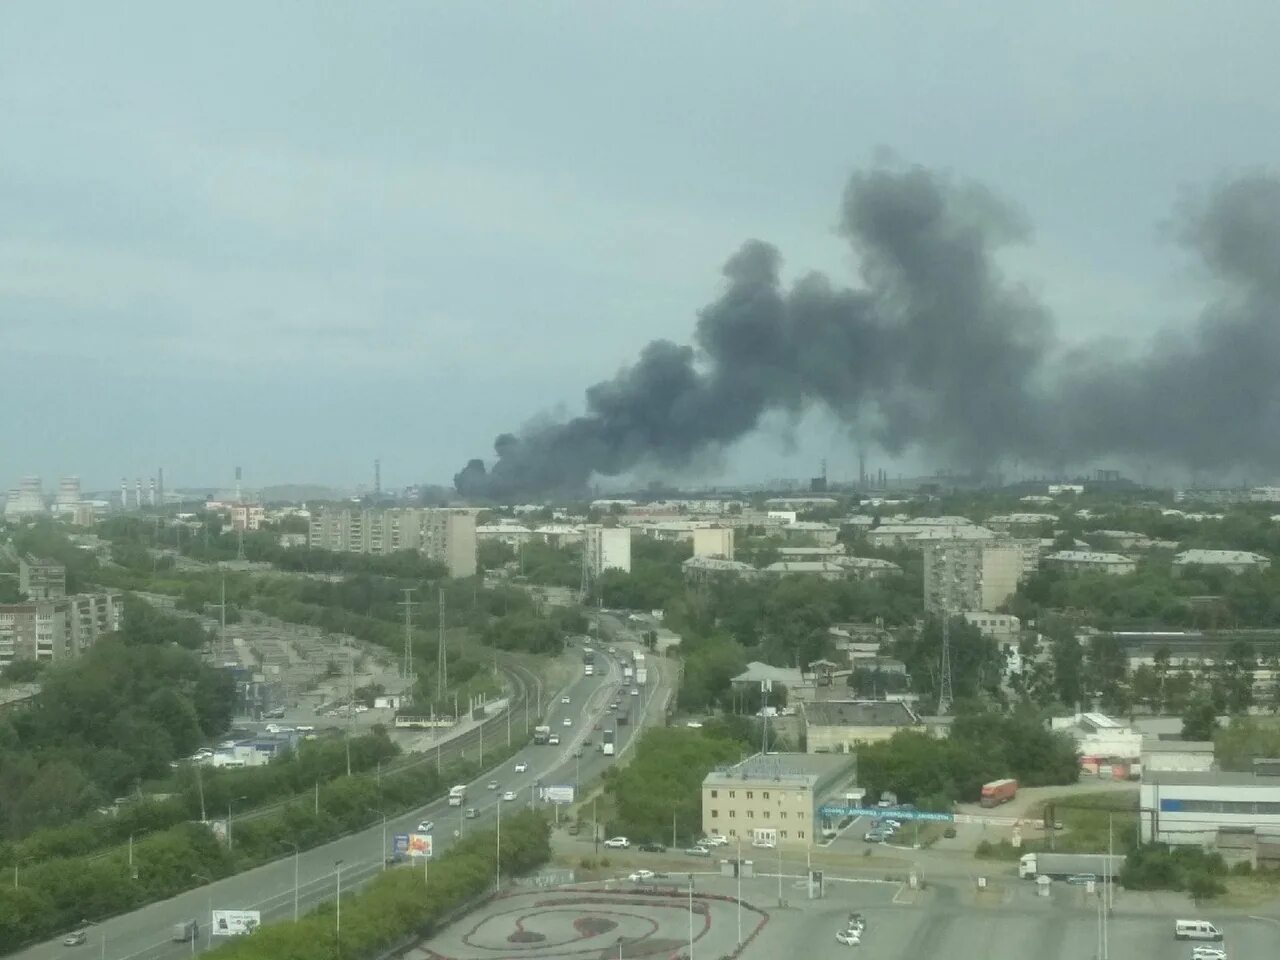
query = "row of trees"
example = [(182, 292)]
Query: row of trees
[(55, 893), (661, 788), (934, 773), (400, 905)]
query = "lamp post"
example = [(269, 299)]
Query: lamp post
[(296, 852), (738, 871), (497, 859), (230, 801), (337, 914), (691, 916), (208, 882), (383, 815)]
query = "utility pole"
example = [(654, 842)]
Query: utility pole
[(442, 661), (223, 609), (497, 859), (946, 695), (407, 603)]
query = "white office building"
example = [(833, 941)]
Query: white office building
[(606, 548)]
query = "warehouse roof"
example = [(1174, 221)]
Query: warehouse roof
[(858, 713)]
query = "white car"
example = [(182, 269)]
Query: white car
[(618, 843), (493, 784), (554, 740), (849, 938), (565, 700), (567, 721), (1208, 953), (715, 840), (426, 826), (642, 876), (521, 767), (635, 692), (892, 824), (763, 844), (509, 795)]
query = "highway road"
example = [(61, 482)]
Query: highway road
[(313, 875)]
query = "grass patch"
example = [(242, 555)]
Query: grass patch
[(1085, 819)]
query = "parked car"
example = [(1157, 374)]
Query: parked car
[(698, 852), (1208, 953), (949, 833), (849, 938), (715, 840), (641, 876), (874, 836), (763, 844), (653, 848), (521, 767), (619, 843), (509, 795), (75, 938)]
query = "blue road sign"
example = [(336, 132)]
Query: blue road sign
[(834, 811)]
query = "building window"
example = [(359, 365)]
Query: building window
[(732, 794), (732, 814), (783, 834), (733, 833), (765, 815), (750, 795), (800, 834), (784, 814), (765, 794), (751, 814), (715, 813), (714, 794), (800, 814)]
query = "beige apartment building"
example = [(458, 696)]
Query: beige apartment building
[(964, 575), (445, 535), (56, 629), (774, 798), (713, 542)]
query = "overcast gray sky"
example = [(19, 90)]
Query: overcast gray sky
[(296, 236)]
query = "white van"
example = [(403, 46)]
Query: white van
[(1195, 930)]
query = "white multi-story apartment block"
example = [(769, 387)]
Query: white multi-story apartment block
[(606, 548), (445, 535), (964, 575)]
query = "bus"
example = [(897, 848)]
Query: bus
[(606, 743)]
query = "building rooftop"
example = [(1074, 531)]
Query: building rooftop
[(858, 713), (1211, 557), (757, 671), (1208, 778), (1088, 556), (806, 769), (1151, 745), (804, 566)]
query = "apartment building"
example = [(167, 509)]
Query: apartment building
[(40, 578), (606, 548), (56, 629), (444, 535), (773, 798), (1092, 561), (838, 726), (962, 575), (713, 542)]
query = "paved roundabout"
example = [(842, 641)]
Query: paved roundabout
[(592, 925)]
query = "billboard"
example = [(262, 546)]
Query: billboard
[(420, 845), (399, 846), (557, 794), (834, 811), (235, 923)]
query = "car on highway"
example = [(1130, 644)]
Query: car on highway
[(653, 848), (1082, 879), (617, 843), (493, 784), (426, 826), (471, 813), (613, 649), (554, 740), (75, 938), (641, 876), (850, 938), (857, 921), (565, 700), (521, 767), (613, 705), (509, 795), (567, 721), (635, 692)]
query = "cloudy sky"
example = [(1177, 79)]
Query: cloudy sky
[(297, 236)]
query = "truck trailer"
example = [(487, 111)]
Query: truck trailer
[(541, 735), (457, 794), (999, 791), (1063, 865)]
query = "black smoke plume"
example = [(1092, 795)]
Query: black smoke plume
[(936, 350)]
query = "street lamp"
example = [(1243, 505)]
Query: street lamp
[(296, 852), (383, 815), (337, 916), (230, 801), (209, 882)]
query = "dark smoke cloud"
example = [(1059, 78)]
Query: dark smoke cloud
[(936, 350)]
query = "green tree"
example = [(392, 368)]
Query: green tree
[(1200, 721)]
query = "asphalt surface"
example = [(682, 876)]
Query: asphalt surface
[(145, 934)]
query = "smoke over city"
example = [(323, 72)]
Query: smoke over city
[(935, 350)]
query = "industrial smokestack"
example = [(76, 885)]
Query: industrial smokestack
[(933, 350)]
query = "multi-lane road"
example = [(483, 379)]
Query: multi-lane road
[(312, 876)]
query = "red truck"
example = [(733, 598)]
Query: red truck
[(999, 791)]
